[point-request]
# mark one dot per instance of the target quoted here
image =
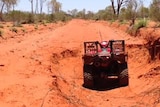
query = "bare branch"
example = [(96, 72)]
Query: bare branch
[(120, 3)]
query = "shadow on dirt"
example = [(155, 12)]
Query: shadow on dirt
[(154, 49), (110, 84)]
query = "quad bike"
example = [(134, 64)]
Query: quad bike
[(104, 62)]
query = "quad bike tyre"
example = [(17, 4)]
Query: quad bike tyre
[(123, 78), (88, 76)]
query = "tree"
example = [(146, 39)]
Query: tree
[(143, 12), (155, 10), (55, 6), (2, 3), (73, 12), (116, 9), (81, 14), (89, 15), (101, 15), (41, 5), (8, 4), (131, 11), (109, 11), (36, 8), (31, 1)]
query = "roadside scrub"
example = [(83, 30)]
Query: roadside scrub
[(133, 30)]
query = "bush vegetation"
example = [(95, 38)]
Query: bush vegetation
[(13, 29), (127, 13), (1, 33), (140, 24), (130, 12)]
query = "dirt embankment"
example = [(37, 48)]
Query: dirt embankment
[(43, 68)]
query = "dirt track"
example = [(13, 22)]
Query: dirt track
[(44, 69)]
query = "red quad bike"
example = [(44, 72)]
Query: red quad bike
[(105, 63)]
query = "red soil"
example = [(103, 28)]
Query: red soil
[(43, 68)]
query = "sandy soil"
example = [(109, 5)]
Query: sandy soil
[(43, 68)]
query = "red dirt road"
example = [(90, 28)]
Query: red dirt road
[(44, 69)]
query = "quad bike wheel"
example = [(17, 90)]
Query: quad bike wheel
[(88, 76), (123, 78)]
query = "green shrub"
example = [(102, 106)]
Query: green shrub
[(112, 21), (44, 22), (134, 29), (13, 29), (142, 23), (122, 22)]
